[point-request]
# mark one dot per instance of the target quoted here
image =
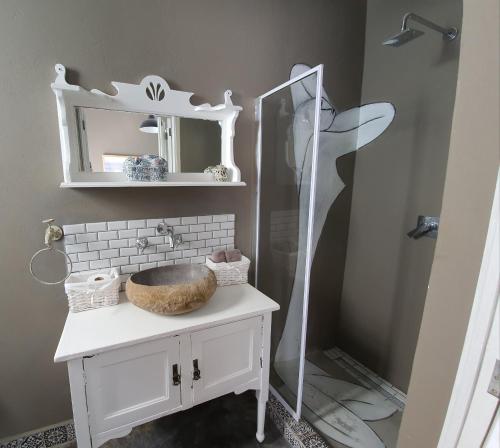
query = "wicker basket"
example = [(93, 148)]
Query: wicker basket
[(86, 295), (233, 273)]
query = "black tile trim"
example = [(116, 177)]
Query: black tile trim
[(51, 437), (298, 434)]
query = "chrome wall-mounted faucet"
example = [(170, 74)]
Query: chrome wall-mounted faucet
[(161, 229), (173, 239)]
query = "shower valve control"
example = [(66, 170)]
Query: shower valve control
[(426, 226)]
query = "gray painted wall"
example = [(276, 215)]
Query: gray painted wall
[(471, 176), (398, 177), (198, 46)]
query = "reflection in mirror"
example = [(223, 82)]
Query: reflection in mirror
[(107, 138)]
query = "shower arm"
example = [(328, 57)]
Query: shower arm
[(448, 33)]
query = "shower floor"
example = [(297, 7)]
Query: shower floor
[(349, 405)]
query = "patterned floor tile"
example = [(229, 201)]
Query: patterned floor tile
[(70, 431), (11, 444), (55, 436), (32, 441), (314, 441), (292, 438), (301, 429)]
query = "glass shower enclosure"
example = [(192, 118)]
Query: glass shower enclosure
[(287, 157)]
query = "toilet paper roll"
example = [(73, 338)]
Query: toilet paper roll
[(98, 278)]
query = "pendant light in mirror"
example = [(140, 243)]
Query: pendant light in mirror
[(150, 125)]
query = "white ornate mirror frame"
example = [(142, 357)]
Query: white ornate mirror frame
[(151, 96)]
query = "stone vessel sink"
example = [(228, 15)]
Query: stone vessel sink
[(175, 289)]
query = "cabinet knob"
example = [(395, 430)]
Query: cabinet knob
[(176, 377), (196, 371)]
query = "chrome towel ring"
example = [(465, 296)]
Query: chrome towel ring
[(52, 233)]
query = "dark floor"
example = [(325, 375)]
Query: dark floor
[(227, 422)]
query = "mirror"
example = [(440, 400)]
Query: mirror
[(156, 133), (108, 137)]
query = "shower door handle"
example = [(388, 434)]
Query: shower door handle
[(426, 226)]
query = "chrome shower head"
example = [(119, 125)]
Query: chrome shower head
[(407, 34), (402, 37)]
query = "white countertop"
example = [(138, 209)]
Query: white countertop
[(94, 331)]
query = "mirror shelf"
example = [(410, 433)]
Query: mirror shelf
[(129, 184), (98, 132)]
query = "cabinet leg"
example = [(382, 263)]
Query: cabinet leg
[(79, 403), (263, 392), (261, 417)]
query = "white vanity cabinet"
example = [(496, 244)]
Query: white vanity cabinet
[(227, 358), (131, 384), (128, 366)]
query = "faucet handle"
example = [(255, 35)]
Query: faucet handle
[(141, 244), (173, 239)]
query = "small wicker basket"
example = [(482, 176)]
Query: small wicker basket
[(233, 273), (86, 292)]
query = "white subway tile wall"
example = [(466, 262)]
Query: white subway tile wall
[(101, 245)]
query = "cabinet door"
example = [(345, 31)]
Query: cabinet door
[(228, 358), (132, 385)]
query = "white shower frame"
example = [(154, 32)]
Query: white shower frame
[(318, 70)]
